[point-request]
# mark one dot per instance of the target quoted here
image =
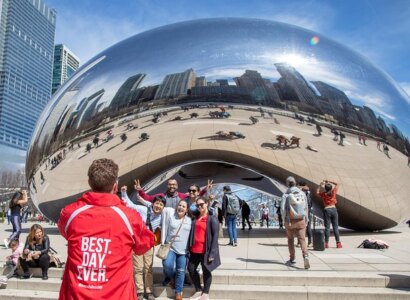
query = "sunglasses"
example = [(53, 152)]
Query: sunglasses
[(192, 191), (200, 205)]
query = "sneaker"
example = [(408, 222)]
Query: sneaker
[(235, 244), (339, 245), (290, 262), (3, 280), (6, 243), (150, 296), (26, 276), (140, 296), (326, 245), (310, 245), (204, 297), (196, 296), (178, 296), (45, 277), (230, 244), (306, 262), (250, 228)]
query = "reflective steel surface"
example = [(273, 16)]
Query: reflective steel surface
[(227, 90)]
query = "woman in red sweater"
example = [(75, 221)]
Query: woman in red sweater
[(330, 212), (204, 249)]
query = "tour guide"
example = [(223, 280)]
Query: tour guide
[(101, 233)]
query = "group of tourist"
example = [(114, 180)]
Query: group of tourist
[(103, 262)]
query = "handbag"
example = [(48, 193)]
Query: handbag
[(163, 249)]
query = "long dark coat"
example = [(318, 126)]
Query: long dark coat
[(211, 242)]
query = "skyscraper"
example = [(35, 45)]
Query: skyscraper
[(65, 64), (27, 30), (176, 84)]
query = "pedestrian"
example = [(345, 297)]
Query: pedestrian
[(35, 252), (327, 190), (378, 146), (408, 161), (15, 205), (360, 138), (176, 228), (204, 250), (305, 188), (42, 177), (277, 206), (319, 129), (386, 150), (230, 207), (295, 213), (246, 211), (264, 215), (99, 262), (364, 140), (342, 137)]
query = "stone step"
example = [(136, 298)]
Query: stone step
[(248, 292), (290, 278)]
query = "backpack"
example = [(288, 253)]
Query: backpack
[(296, 204), (373, 244), (233, 206)]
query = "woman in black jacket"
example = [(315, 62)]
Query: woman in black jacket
[(204, 249), (35, 253)]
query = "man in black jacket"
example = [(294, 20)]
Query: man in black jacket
[(246, 211)]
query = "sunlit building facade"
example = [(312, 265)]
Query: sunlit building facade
[(27, 30), (65, 64)]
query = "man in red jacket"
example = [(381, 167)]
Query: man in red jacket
[(101, 233)]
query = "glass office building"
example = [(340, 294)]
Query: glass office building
[(27, 29), (65, 64)]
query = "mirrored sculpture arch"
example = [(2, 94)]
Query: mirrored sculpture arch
[(236, 91)]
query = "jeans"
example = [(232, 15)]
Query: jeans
[(16, 222), (233, 235), (331, 216), (174, 268), (193, 263), (12, 269)]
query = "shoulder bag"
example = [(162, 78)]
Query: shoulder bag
[(163, 249)]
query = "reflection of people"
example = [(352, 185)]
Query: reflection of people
[(342, 137), (98, 256), (330, 211), (15, 205), (35, 253), (204, 250), (319, 129), (294, 213), (386, 150)]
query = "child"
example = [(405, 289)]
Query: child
[(11, 261)]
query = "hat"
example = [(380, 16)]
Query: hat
[(226, 188), (290, 181)]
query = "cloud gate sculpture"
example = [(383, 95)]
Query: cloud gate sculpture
[(239, 100)]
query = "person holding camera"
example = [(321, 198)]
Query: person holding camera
[(327, 190), (35, 253), (15, 205)]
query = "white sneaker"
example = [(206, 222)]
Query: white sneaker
[(306, 262), (204, 297), (3, 280), (196, 296), (6, 243)]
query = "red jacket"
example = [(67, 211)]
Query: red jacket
[(101, 233)]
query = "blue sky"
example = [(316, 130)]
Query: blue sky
[(378, 29)]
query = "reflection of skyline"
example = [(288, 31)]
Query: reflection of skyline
[(291, 89)]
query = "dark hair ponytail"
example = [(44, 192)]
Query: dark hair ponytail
[(14, 199)]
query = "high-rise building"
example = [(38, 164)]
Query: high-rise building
[(200, 81), (293, 84), (176, 84), (65, 64), (27, 29), (257, 87)]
